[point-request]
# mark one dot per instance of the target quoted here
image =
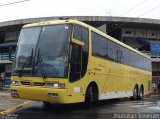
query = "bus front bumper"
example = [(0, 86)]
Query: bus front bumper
[(40, 94)]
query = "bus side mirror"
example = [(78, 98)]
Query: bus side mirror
[(77, 42)]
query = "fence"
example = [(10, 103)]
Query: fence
[(7, 56), (151, 54)]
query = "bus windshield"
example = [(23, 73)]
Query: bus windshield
[(42, 51)]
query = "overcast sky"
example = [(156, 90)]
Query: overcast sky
[(46, 8)]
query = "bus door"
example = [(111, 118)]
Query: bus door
[(74, 86), (78, 63)]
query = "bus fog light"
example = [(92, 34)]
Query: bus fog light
[(62, 85), (14, 93), (52, 94)]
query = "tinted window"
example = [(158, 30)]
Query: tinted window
[(44, 51), (80, 33), (99, 45), (75, 65), (147, 64), (118, 53), (133, 59), (53, 50), (140, 62), (125, 56), (113, 50)]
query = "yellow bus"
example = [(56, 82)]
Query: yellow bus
[(68, 61)]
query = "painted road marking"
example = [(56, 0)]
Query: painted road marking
[(155, 107), (12, 109), (3, 95), (137, 104), (142, 105)]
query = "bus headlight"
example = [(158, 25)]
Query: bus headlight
[(51, 85), (55, 85), (15, 83)]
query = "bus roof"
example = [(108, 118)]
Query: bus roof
[(87, 26)]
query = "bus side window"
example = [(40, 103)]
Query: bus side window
[(75, 63), (119, 55)]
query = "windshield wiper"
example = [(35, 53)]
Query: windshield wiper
[(40, 61), (41, 68), (29, 58)]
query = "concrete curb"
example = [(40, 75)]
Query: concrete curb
[(3, 95), (12, 109), (154, 95)]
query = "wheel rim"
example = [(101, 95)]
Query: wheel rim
[(91, 95), (135, 93), (141, 93)]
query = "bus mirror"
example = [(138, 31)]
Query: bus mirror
[(77, 42)]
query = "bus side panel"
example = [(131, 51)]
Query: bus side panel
[(99, 70), (120, 79)]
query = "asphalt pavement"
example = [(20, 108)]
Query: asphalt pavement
[(109, 109), (9, 104)]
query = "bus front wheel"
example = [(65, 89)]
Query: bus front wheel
[(88, 97), (91, 96), (46, 104)]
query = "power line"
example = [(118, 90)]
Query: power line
[(137, 5), (135, 17), (148, 11), (11, 3)]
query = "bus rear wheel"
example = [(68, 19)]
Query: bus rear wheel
[(135, 93), (141, 93)]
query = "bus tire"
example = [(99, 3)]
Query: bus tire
[(46, 104), (141, 92), (135, 93), (91, 95), (88, 98)]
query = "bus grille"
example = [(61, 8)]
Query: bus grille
[(39, 84), (25, 83), (32, 84)]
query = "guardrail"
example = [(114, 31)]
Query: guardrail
[(7, 56), (152, 55)]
